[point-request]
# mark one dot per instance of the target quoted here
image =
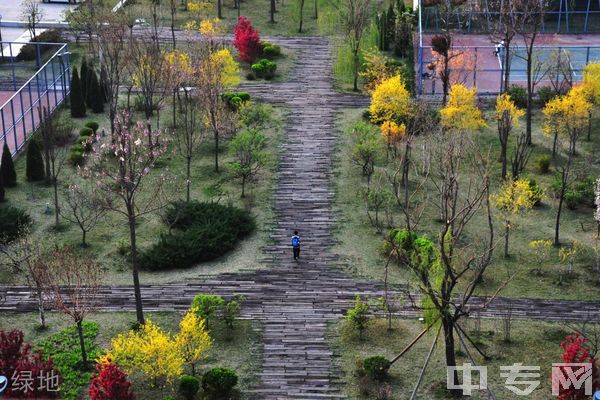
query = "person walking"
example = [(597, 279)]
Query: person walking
[(296, 245)]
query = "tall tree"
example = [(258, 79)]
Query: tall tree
[(32, 13), (56, 137), (7, 168), (76, 96), (111, 37), (507, 117), (84, 77), (566, 118), (189, 132), (356, 16), (122, 170), (217, 70), (531, 20), (71, 283), (96, 100)]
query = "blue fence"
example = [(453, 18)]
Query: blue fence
[(482, 66), (31, 78)]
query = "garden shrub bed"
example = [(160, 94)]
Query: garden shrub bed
[(198, 232)]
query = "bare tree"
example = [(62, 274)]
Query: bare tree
[(32, 13), (520, 156), (532, 18), (24, 258), (71, 283), (55, 140), (111, 37), (356, 16), (462, 179), (83, 209), (189, 134)]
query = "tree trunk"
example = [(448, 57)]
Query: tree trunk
[(41, 310), (355, 58), (84, 234), (503, 150), (56, 205), (188, 177), (301, 15), (448, 325), (529, 110), (554, 143), (272, 11), (316, 9), (506, 232), (243, 186), (134, 266), (557, 225), (82, 344), (216, 151), (220, 9)]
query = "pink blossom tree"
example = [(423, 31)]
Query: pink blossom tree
[(122, 172)]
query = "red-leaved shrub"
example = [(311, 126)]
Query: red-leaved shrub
[(575, 350), (31, 375), (246, 40), (110, 383)]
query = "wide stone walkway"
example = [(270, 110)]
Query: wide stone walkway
[(296, 301)]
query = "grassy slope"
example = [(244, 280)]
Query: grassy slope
[(239, 350), (533, 343), (360, 244)]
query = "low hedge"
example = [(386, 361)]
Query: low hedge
[(200, 232)]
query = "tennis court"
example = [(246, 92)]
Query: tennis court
[(577, 57), (476, 61)]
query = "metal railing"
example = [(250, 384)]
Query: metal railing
[(46, 88)]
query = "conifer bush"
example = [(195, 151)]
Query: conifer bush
[(34, 170), (76, 96), (7, 168)]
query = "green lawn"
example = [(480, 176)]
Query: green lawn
[(360, 244), (533, 343), (238, 349)]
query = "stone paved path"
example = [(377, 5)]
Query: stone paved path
[(296, 301)]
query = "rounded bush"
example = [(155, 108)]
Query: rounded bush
[(29, 52), (543, 164), (219, 381), (250, 76), (545, 94), (13, 223), (200, 232), (84, 141), (93, 125), (86, 131), (572, 199), (271, 51), (188, 386), (76, 156), (536, 192), (518, 95), (264, 69), (377, 367)]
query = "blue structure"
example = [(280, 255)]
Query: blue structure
[(477, 16), (29, 82)]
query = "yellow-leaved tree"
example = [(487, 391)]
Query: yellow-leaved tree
[(217, 72), (591, 85), (514, 198), (461, 112), (149, 350), (507, 115), (193, 339), (390, 101), (393, 134), (566, 118)]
